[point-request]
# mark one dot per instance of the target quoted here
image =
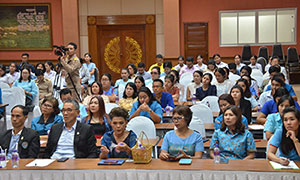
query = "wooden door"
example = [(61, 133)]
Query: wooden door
[(119, 46), (196, 40)]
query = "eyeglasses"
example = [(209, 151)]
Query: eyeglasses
[(66, 110), (177, 118), (47, 105)]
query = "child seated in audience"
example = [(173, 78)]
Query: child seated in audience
[(139, 82), (274, 121), (108, 88), (171, 88), (96, 90), (286, 139), (147, 106), (183, 140), (196, 83), (243, 83), (234, 141), (118, 142), (97, 116), (244, 105), (224, 101), (129, 96), (50, 115), (223, 86), (207, 89), (200, 65)]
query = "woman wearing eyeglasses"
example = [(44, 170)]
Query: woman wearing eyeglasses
[(49, 117), (182, 142)]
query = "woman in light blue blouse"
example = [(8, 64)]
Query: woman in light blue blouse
[(235, 142), (182, 142), (49, 117), (147, 106), (286, 138), (29, 86), (90, 66), (274, 121)]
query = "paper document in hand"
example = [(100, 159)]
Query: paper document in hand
[(256, 126), (276, 165), (40, 163)]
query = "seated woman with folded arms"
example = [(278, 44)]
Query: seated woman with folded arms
[(147, 106), (118, 142), (235, 142), (286, 138), (274, 121), (183, 141), (224, 101), (129, 96), (97, 116), (49, 117)]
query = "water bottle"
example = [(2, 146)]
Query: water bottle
[(217, 154), (194, 99), (117, 99), (15, 159), (2, 159), (168, 110)]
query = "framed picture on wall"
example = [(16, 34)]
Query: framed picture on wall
[(25, 27)]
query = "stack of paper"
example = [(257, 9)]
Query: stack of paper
[(291, 165), (40, 163)]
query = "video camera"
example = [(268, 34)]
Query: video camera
[(60, 50)]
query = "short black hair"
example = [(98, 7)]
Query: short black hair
[(73, 44), (25, 54), (25, 110), (274, 57), (184, 111), (65, 91), (280, 92), (180, 57), (141, 65), (157, 68), (278, 79), (274, 69), (159, 56), (158, 80), (167, 64), (190, 58), (39, 72), (119, 112), (232, 65)]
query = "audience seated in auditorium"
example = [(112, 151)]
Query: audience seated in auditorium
[(182, 142), (177, 84), (155, 74), (196, 83), (14, 71), (200, 65), (96, 90), (234, 141), (246, 71), (107, 86), (90, 66), (123, 81), (274, 121), (142, 72), (189, 66), (164, 98), (224, 101), (218, 61), (276, 83), (211, 67), (25, 140), (84, 75), (167, 69), (50, 115), (49, 72), (286, 139), (29, 86), (132, 71), (129, 96), (275, 62), (159, 63), (171, 88), (118, 142), (5, 77), (254, 65), (206, 89), (139, 82), (252, 90), (97, 116), (147, 106), (243, 83), (222, 85), (272, 71), (180, 63), (237, 61), (233, 76), (71, 139), (24, 59)]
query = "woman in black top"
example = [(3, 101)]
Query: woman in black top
[(207, 89), (238, 96)]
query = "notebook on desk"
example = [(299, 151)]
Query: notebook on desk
[(278, 166)]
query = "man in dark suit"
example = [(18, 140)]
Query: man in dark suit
[(25, 140), (71, 139)]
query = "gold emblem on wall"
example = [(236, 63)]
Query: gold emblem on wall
[(133, 53)]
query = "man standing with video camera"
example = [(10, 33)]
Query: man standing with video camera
[(71, 64)]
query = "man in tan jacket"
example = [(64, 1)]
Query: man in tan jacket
[(71, 64)]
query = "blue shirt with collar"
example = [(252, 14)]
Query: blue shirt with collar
[(273, 123), (13, 145), (65, 145), (271, 107), (233, 146), (219, 119), (155, 107), (166, 100), (43, 128), (287, 87)]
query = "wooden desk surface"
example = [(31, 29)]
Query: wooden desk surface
[(215, 114), (157, 164)]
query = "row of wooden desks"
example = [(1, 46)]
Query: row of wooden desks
[(215, 114)]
